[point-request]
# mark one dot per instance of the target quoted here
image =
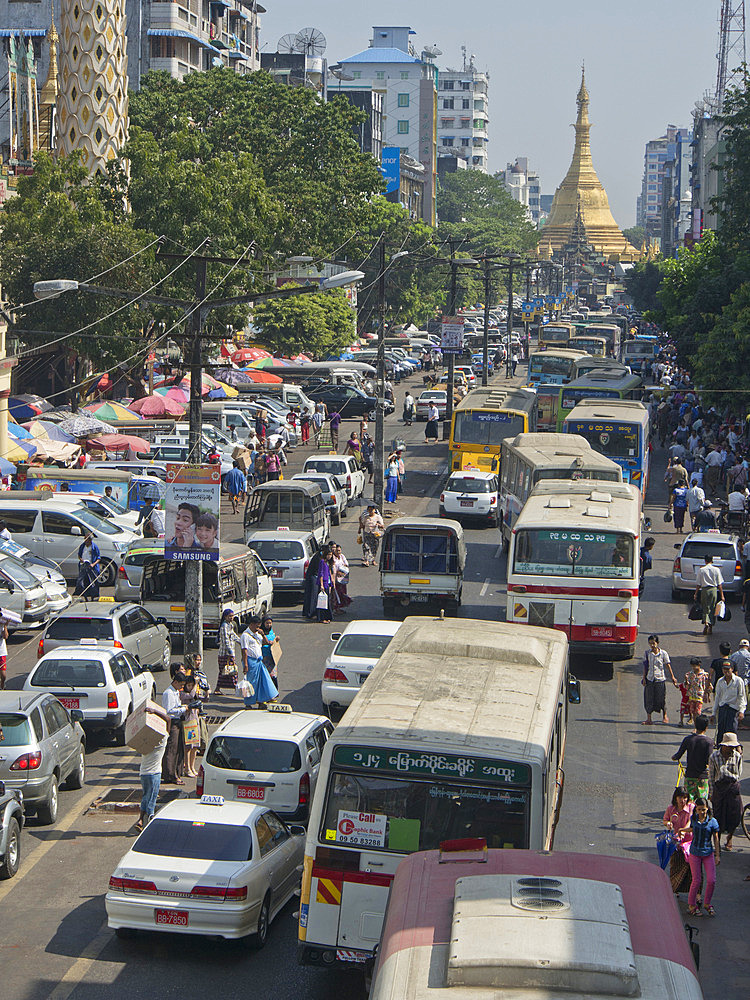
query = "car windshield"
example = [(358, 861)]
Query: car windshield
[(14, 730), (250, 753), (68, 672), (97, 523), (18, 574), (182, 838), (80, 627), (283, 550), (697, 550), (427, 397), (466, 484), (112, 505), (139, 557), (368, 647), (326, 465)]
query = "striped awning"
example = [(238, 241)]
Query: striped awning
[(179, 33)]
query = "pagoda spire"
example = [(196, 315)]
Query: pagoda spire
[(49, 91)]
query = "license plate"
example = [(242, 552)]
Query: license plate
[(70, 702), (277, 572), (420, 597), (175, 918), (466, 503), (602, 632), (363, 678), (256, 792)]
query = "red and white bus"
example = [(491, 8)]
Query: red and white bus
[(574, 564), (471, 926)]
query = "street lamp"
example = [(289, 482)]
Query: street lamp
[(198, 309)]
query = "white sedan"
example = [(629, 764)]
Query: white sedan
[(358, 648), (437, 396), (471, 494), (207, 867)]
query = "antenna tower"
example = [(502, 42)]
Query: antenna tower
[(731, 55)]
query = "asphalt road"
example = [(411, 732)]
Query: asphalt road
[(619, 779)]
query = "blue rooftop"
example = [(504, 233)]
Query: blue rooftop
[(378, 55)]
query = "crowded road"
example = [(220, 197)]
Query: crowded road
[(619, 779)]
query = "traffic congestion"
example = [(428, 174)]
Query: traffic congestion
[(495, 632)]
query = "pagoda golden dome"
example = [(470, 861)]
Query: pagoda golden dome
[(582, 191)]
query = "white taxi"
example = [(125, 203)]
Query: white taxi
[(358, 648), (207, 867), (269, 756), (471, 493)]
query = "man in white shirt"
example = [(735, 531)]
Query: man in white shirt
[(710, 589), (150, 773), (171, 772), (740, 661), (730, 702), (695, 499), (737, 501), (714, 462)]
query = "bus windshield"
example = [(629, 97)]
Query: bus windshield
[(639, 348), (556, 334), (548, 364), (484, 427), (564, 552), (617, 441), (409, 814)]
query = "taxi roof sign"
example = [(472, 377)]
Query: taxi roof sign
[(278, 706), (212, 800)]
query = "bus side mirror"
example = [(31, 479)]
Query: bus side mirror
[(574, 690)]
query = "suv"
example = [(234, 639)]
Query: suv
[(104, 685), (344, 467), (287, 555), (271, 757), (724, 548), (471, 494), (119, 626), (11, 823), (42, 747), (334, 492)]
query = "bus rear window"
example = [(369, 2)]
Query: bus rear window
[(406, 815), (563, 552), (486, 428), (607, 475), (618, 441)]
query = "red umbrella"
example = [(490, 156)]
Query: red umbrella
[(301, 357), (258, 375), (158, 406), (119, 442), (246, 354)]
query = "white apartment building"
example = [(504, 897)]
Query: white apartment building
[(408, 84), (463, 115), (524, 186)]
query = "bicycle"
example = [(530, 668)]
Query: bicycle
[(746, 821)]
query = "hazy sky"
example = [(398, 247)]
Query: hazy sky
[(647, 62)]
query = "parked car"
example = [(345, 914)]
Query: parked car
[(727, 554), (22, 593), (207, 867), (287, 555), (104, 685), (44, 571), (116, 626), (43, 747), (348, 401), (334, 492), (472, 494), (344, 467), (11, 824), (358, 648), (468, 374), (425, 399), (130, 572), (271, 757)]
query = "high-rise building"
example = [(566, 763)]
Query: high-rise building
[(656, 154), (706, 175), (676, 194), (524, 186), (463, 114), (408, 83)]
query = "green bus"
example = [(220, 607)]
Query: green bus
[(601, 384)]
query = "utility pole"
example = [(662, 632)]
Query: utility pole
[(526, 322), (451, 357), (379, 456), (510, 316), (486, 339)]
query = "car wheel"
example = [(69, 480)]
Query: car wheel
[(47, 811), (372, 415), (260, 937), (335, 518), (125, 933), (344, 512), (12, 859), (166, 655), (77, 778), (119, 734), (108, 575)]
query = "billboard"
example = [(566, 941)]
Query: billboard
[(192, 512), (452, 335), (391, 168)]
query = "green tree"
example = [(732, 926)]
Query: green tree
[(62, 226), (636, 235), (320, 323), (643, 283), (723, 356), (733, 202)]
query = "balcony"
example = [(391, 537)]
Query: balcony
[(174, 15)]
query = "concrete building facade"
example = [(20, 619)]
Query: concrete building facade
[(463, 115), (524, 186), (708, 154), (676, 194), (656, 154)]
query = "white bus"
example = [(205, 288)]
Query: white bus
[(574, 565), (528, 459), (459, 732), (530, 926)]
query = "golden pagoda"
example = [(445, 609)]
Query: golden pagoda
[(48, 93), (582, 191)]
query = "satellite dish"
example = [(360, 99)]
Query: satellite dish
[(287, 43), (433, 51), (310, 41)]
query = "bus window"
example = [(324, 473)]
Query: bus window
[(543, 552)]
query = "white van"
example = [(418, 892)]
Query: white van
[(290, 395), (22, 593), (55, 528)]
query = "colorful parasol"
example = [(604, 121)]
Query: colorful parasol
[(159, 406), (104, 410)]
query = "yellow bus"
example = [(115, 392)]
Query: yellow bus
[(482, 419), (555, 335)]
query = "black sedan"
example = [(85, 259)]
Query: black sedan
[(348, 401)]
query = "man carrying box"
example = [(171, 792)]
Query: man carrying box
[(150, 771)]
